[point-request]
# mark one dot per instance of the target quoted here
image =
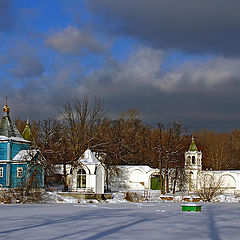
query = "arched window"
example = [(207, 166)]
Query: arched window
[(188, 160), (193, 159), (81, 178)]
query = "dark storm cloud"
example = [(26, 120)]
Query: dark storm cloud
[(27, 66), (201, 94), (189, 25), (7, 15)]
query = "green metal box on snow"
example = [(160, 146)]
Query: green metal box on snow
[(191, 207)]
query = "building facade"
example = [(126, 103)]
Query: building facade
[(17, 160), (87, 176)]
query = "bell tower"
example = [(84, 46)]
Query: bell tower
[(193, 165)]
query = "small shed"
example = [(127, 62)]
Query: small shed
[(88, 175)]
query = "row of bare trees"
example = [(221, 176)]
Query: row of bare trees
[(83, 124)]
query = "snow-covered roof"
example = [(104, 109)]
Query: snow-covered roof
[(142, 167), (25, 155), (88, 158), (17, 139), (221, 171)]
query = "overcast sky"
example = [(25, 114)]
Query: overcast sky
[(170, 59)]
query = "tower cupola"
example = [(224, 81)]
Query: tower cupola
[(193, 157), (193, 147)]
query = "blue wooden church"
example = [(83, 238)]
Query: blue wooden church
[(19, 164)]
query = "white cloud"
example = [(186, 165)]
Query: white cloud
[(144, 68), (74, 41)]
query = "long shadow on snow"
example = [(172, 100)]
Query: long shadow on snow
[(213, 233), (86, 215), (112, 230)]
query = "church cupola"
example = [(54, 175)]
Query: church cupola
[(193, 157), (6, 109), (27, 134), (193, 147)]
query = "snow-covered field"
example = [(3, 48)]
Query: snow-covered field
[(124, 220)]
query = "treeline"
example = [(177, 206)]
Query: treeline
[(126, 140)]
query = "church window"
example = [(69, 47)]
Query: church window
[(1, 171), (193, 160), (81, 178), (19, 172)]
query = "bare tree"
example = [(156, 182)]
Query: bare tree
[(208, 187), (169, 148), (43, 141), (82, 120)]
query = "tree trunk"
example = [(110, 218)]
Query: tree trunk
[(160, 176), (175, 181), (167, 183), (107, 179), (65, 187), (163, 184), (31, 180)]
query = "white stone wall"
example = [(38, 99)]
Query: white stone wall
[(229, 180), (131, 177)]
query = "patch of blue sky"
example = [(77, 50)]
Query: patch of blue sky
[(78, 8), (122, 47), (17, 84), (176, 58), (2, 75), (4, 44), (48, 57), (44, 15), (92, 62), (8, 79)]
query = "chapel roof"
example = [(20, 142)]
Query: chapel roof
[(7, 127), (88, 158)]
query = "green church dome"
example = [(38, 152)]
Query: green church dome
[(193, 147), (27, 135)]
